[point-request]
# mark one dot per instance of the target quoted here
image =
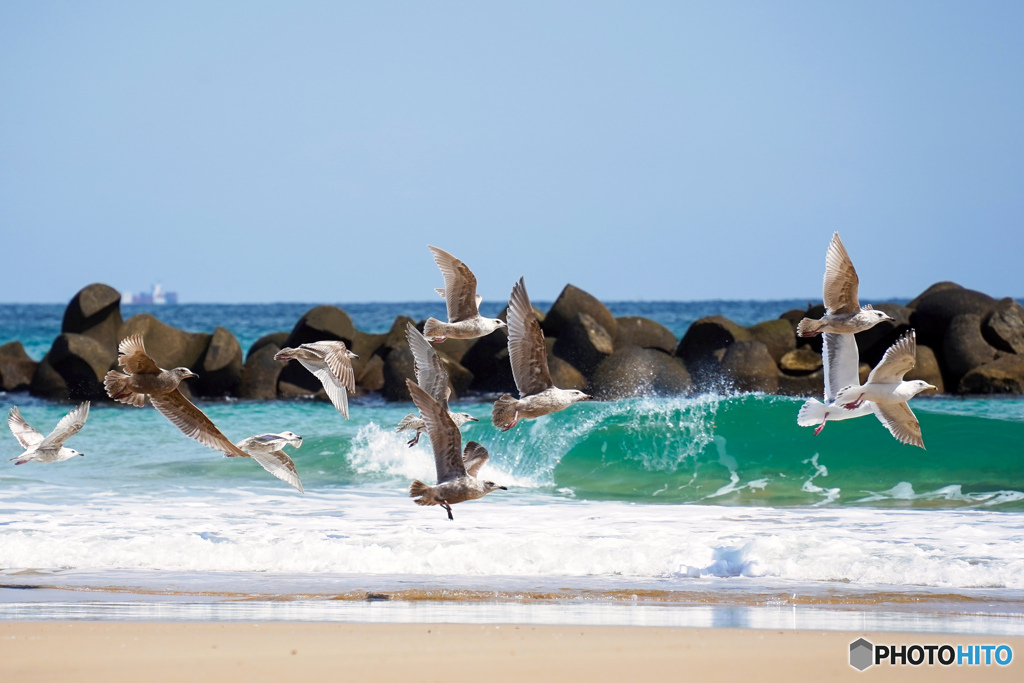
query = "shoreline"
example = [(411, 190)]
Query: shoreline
[(103, 651)]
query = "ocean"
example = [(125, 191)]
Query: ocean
[(699, 510)]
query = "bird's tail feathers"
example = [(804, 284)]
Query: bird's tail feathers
[(811, 414), (408, 422), (433, 328), (808, 327), (116, 384), (504, 411), (419, 490)]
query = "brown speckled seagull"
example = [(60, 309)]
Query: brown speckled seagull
[(537, 394), (843, 312), (331, 363), (464, 319), (143, 378), (456, 469), (432, 376)]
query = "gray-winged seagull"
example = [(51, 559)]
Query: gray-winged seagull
[(841, 360), (51, 447), (267, 450), (886, 388)]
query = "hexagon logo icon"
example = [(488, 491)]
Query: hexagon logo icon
[(861, 652)]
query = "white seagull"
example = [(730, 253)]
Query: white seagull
[(331, 363), (456, 469), (886, 388), (432, 377), (49, 448), (841, 360), (843, 312), (267, 450), (537, 394), (464, 319)]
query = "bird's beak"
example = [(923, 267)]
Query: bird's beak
[(588, 397), (932, 386), (503, 488), (473, 419), (352, 355), (191, 374)]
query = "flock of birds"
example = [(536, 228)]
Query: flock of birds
[(140, 379)]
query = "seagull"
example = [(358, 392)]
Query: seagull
[(886, 388), (843, 312), (456, 470), (432, 378), (537, 394), (464, 319), (841, 360), (267, 450), (51, 448), (142, 377), (331, 363)]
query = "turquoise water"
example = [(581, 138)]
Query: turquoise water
[(662, 494)]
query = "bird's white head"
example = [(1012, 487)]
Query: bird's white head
[(183, 373), (876, 316), (499, 323), (350, 354), (292, 438), (462, 418), (920, 385), (491, 486), (578, 395)]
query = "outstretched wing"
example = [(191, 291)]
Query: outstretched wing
[(474, 457), (526, 344), (839, 289), (898, 360), (281, 466), (841, 360), (193, 422), (901, 422), (445, 438), (68, 426), (459, 286), (430, 371), (133, 358), (23, 432)]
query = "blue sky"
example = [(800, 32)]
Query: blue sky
[(308, 151)]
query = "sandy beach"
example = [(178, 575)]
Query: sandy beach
[(119, 651)]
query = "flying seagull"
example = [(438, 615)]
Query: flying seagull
[(841, 360), (268, 451), (537, 394), (464, 319), (331, 363), (432, 377), (843, 312), (49, 448), (456, 469), (142, 377), (886, 388)]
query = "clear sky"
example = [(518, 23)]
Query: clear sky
[(309, 151)]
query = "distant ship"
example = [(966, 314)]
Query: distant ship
[(156, 296)]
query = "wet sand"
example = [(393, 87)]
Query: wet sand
[(128, 651)]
